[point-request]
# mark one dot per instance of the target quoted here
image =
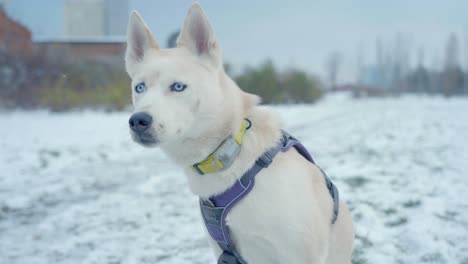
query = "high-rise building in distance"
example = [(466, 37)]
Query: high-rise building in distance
[(91, 18)]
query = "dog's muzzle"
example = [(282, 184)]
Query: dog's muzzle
[(140, 124)]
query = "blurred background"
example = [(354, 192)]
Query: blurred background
[(376, 89), (57, 53)]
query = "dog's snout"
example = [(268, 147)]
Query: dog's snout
[(140, 121)]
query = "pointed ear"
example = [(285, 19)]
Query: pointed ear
[(198, 36), (139, 41)]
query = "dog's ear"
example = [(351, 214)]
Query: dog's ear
[(198, 36), (139, 41)]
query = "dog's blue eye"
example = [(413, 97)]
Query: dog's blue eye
[(178, 87), (139, 88)]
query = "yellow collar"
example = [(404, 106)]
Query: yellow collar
[(225, 154)]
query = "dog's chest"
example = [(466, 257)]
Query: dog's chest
[(271, 225)]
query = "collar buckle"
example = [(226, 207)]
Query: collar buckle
[(217, 163), (225, 155)]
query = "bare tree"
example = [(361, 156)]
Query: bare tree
[(379, 59), (360, 64), (332, 68), (421, 57), (452, 75), (400, 62), (466, 62), (452, 52)]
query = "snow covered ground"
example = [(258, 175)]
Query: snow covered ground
[(75, 189)]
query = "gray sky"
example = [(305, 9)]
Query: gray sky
[(299, 33)]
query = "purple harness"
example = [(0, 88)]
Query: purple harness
[(215, 209)]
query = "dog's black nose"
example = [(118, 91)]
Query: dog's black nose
[(140, 121)]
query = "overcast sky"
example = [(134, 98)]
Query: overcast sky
[(299, 33)]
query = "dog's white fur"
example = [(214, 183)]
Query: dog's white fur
[(287, 216)]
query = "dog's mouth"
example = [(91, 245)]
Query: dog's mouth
[(145, 139)]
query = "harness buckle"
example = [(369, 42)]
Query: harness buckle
[(265, 160)]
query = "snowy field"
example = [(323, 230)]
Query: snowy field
[(75, 189)]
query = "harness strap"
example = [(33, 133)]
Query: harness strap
[(334, 194), (215, 209), (293, 142)]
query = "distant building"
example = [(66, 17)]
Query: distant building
[(370, 76), (377, 77), (117, 17), (84, 18), (15, 39), (108, 50), (94, 30), (91, 18)]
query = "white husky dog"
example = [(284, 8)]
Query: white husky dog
[(186, 104)]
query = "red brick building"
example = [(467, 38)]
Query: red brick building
[(15, 39), (96, 49)]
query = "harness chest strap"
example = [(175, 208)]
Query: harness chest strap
[(215, 209)]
